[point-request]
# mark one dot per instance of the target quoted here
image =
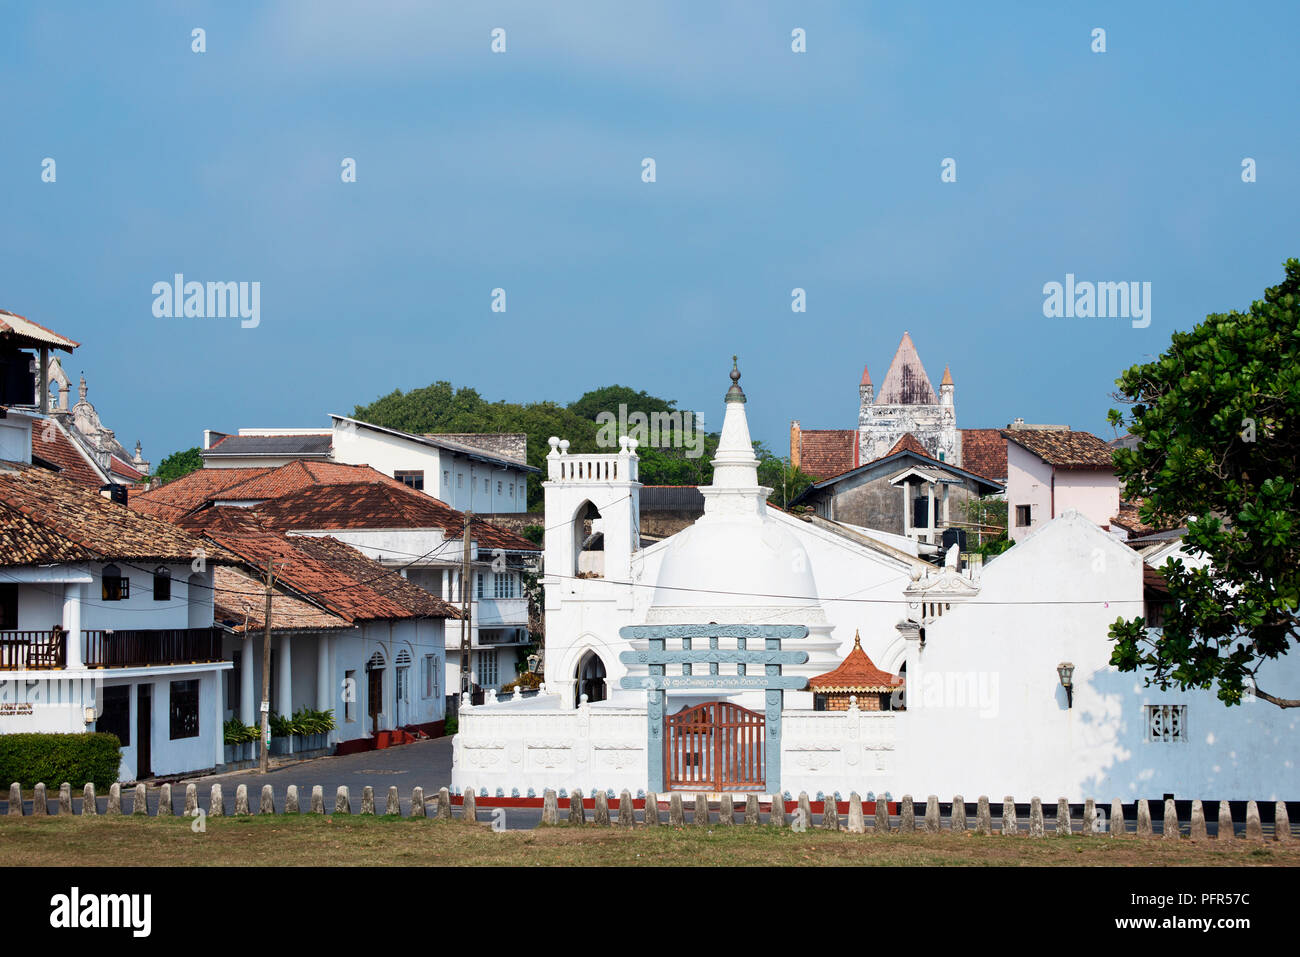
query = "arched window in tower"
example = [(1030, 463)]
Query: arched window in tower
[(591, 679), (588, 542)]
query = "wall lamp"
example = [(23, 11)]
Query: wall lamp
[(1066, 672)]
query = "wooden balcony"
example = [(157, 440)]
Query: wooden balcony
[(124, 648)]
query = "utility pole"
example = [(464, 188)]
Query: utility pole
[(266, 668), (466, 582)]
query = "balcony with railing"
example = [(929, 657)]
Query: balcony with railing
[(121, 648)]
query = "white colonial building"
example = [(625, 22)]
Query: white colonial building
[(1006, 683)]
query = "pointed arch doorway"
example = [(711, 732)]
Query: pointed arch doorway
[(590, 679)]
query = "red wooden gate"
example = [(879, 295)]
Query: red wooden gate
[(716, 746)]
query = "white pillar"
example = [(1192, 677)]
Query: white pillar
[(72, 593), (907, 507), (929, 515), (285, 695), (247, 704), (218, 720), (324, 684)]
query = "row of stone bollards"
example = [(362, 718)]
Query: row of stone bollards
[(1095, 820)]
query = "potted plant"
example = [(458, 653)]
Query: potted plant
[(281, 733)]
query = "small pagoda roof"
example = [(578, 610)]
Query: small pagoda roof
[(856, 673)]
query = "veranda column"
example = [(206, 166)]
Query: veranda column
[(324, 684), (247, 656), (285, 695), (72, 594), (907, 507), (929, 513), (218, 720)]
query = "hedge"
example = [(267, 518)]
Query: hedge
[(31, 758)]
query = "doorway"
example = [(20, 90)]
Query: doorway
[(401, 680), (143, 732), (375, 697)]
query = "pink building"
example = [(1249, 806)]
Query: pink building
[(1051, 469)]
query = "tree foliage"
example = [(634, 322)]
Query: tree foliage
[(1216, 417), (179, 464)]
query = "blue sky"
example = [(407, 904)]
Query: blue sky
[(522, 170)]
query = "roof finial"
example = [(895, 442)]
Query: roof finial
[(857, 638), (735, 393)]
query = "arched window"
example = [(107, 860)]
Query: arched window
[(591, 679), (115, 587), (162, 584), (588, 542)]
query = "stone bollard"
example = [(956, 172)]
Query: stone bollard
[(600, 814), (1170, 828), (191, 800), (1226, 831), (550, 807), (626, 813), (16, 799), (983, 816), (469, 807), (1281, 823), (751, 810), (368, 800), (65, 797), (291, 800), (444, 805), (1198, 831), (216, 802), (1117, 828), (776, 812), (1144, 819), (1037, 828), (89, 802), (317, 799), (267, 804), (241, 801), (882, 817), (1063, 827), (417, 802), (393, 805), (1089, 817), (676, 812), (857, 823), (906, 815), (115, 799), (577, 813), (40, 804), (1009, 823), (830, 813), (652, 809), (958, 815), (700, 817), (164, 800), (1254, 829), (342, 800), (804, 811), (933, 823), (726, 810), (140, 805)]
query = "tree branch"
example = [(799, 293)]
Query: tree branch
[(1280, 702)]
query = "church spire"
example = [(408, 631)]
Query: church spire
[(906, 382)]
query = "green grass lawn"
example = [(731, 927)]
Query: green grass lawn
[(316, 840)]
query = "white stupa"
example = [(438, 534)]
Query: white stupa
[(737, 565)]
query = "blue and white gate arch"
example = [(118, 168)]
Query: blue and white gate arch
[(658, 657)]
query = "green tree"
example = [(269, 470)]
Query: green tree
[(776, 472), (179, 464), (610, 397), (1216, 417)]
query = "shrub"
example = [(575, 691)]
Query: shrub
[(236, 732), (450, 726), (30, 758)]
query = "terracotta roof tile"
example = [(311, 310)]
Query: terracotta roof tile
[(240, 603), (827, 452), (856, 673), (1064, 448), (908, 443), (984, 452), (385, 581), (300, 474), (48, 519), (53, 444), (189, 492)]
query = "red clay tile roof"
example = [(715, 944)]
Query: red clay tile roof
[(181, 496), (300, 474), (984, 452), (48, 519), (20, 330), (1131, 521), (908, 443), (51, 443), (386, 581), (125, 469), (240, 603), (359, 589), (379, 506), (827, 452), (856, 673), (1064, 448)]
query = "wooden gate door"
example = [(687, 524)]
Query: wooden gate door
[(717, 746)]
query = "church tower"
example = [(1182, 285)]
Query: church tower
[(907, 403)]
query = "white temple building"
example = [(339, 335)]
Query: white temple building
[(1006, 686)]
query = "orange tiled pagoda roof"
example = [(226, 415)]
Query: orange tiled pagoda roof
[(856, 673)]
